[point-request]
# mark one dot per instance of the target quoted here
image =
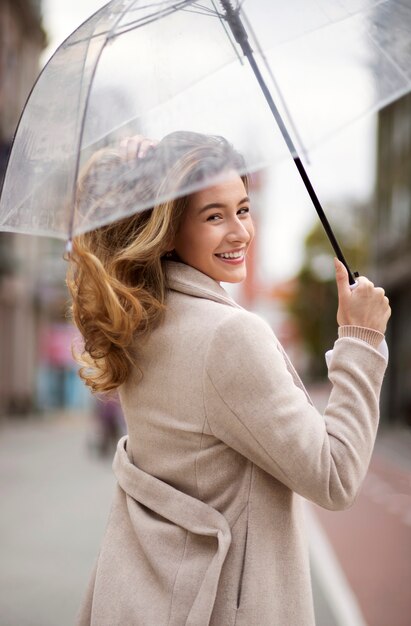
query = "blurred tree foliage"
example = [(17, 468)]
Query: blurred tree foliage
[(314, 303)]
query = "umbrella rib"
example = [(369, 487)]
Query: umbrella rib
[(138, 23), (214, 12), (152, 18), (199, 12), (76, 171)]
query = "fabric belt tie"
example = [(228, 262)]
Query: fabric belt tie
[(187, 512)]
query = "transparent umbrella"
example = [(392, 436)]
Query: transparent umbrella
[(271, 77)]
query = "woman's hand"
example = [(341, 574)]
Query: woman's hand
[(136, 147), (365, 305)]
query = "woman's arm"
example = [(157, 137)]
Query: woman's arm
[(253, 404)]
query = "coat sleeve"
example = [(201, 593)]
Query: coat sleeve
[(253, 405)]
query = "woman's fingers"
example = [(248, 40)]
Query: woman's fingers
[(136, 147), (144, 147), (128, 145), (341, 276), (366, 305)]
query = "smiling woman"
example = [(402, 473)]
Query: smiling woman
[(222, 436), (125, 264)]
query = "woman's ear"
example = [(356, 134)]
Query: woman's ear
[(170, 252), (170, 245)]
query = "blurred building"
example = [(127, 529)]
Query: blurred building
[(392, 251), (22, 40)]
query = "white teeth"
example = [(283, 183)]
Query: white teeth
[(232, 255)]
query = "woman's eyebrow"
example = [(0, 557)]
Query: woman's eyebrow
[(219, 205)]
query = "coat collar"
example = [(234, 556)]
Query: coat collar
[(186, 279)]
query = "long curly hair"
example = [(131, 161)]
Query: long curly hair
[(116, 274)]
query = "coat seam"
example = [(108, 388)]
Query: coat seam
[(202, 432), (245, 426), (240, 582), (246, 541), (196, 459), (176, 576)]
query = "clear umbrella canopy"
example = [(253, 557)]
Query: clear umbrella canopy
[(153, 68)]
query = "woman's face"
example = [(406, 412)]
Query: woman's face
[(216, 230)]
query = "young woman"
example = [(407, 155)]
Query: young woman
[(223, 441)]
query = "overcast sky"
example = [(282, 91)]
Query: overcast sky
[(343, 168)]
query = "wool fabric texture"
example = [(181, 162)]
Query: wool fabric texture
[(223, 445)]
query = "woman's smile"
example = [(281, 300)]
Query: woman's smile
[(233, 257)]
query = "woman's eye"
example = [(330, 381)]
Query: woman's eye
[(213, 218), (244, 210)]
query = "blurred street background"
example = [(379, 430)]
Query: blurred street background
[(57, 442)]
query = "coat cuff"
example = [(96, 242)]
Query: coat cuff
[(371, 336)]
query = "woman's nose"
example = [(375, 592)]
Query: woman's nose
[(238, 231)]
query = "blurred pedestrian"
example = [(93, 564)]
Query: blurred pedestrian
[(108, 425), (207, 526)]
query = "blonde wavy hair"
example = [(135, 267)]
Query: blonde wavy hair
[(116, 274)]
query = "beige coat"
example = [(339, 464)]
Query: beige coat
[(206, 526)]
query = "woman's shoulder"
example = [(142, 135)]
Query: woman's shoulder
[(241, 330)]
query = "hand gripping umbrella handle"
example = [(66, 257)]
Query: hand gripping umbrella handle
[(240, 34)]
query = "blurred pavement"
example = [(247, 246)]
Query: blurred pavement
[(55, 503)]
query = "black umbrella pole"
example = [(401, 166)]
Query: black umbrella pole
[(240, 34), (323, 218)]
